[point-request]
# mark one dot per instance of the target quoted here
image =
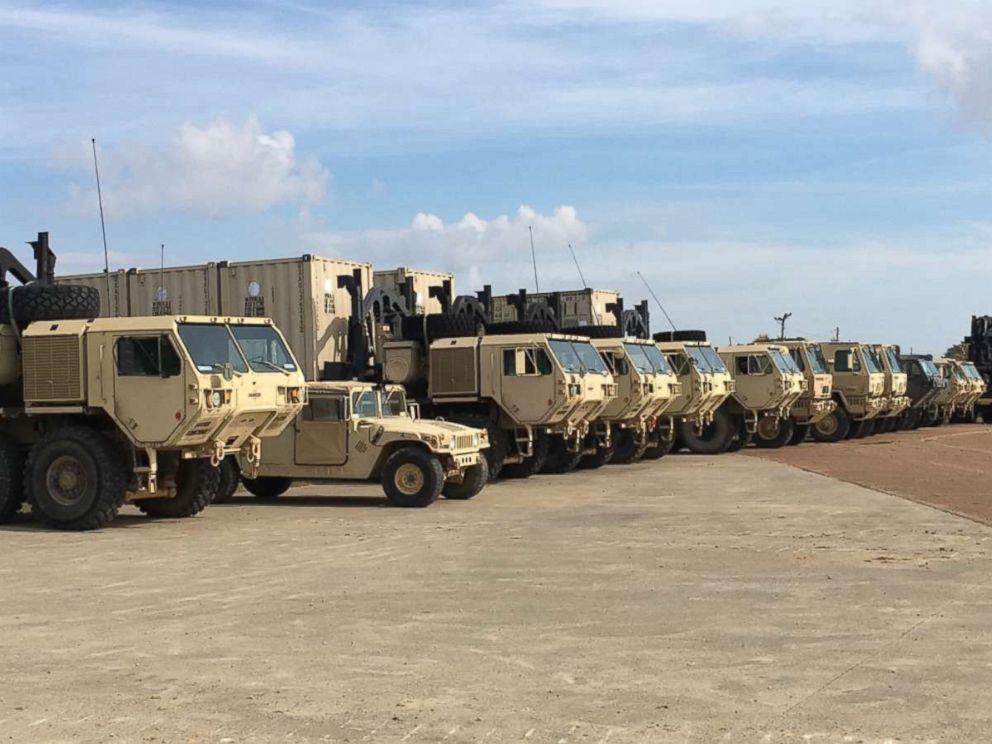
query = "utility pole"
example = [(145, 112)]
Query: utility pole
[(780, 319)]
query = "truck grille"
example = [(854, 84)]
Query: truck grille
[(464, 441), (52, 369)]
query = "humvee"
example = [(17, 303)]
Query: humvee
[(925, 385), (886, 356), (352, 430), (816, 401), (858, 390)]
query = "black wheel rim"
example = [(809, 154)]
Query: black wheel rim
[(66, 480)]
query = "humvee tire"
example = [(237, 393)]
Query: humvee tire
[(476, 478), (11, 480), (266, 487), (773, 432), (799, 434), (196, 485), (714, 438), (412, 478), (532, 465), (833, 427), (559, 460), (228, 482), (49, 302), (74, 479), (600, 457)]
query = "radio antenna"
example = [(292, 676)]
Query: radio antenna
[(651, 291), (533, 258), (585, 285), (103, 223)]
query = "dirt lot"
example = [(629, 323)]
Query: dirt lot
[(948, 467), (726, 599)]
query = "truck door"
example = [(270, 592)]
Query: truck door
[(322, 431), (527, 383), (149, 395)]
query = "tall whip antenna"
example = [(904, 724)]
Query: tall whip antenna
[(103, 223), (533, 258), (651, 291), (585, 284)]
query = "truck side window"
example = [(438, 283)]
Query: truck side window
[(679, 363), (324, 408), (797, 357), (543, 362), (759, 365), (146, 356), (510, 362), (846, 361)]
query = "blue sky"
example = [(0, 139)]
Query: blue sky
[(747, 156)]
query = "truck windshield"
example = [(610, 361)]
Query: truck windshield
[(212, 347), (263, 348), (364, 403), (696, 355), (393, 403), (783, 361), (716, 364), (657, 359), (816, 360), (591, 359), (639, 357), (971, 371), (929, 368), (893, 361), (566, 355), (871, 361)]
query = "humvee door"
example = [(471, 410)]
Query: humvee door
[(322, 430)]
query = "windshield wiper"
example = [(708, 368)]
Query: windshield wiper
[(271, 365)]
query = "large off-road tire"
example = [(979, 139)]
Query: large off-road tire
[(560, 460), (412, 478), (267, 488), (532, 465), (833, 427), (688, 335), (474, 480), (861, 429), (11, 480), (799, 434), (656, 451), (595, 331), (75, 479), (913, 418), (773, 432), (600, 457), (43, 302), (196, 485), (714, 438), (629, 448), (227, 484), (499, 439), (510, 327)]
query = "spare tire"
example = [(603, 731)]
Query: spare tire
[(441, 325), (49, 302), (520, 326), (595, 331), (412, 328), (662, 337), (689, 335)]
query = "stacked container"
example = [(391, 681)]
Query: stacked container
[(580, 307), (395, 280)]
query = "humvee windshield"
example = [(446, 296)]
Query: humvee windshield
[(591, 360), (365, 403), (266, 352), (639, 357), (716, 364), (566, 355), (816, 360), (394, 403), (212, 347), (657, 359)]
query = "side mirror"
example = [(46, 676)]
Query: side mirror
[(413, 409), (228, 371)]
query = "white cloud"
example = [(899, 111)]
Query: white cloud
[(213, 170)]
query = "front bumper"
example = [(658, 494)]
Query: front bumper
[(810, 411)]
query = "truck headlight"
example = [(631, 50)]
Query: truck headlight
[(215, 398)]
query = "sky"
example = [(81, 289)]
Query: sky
[(747, 157)]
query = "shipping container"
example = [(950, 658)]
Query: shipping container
[(177, 290), (113, 304), (395, 280), (579, 307), (302, 297)]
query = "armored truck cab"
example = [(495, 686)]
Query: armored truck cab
[(705, 381), (886, 356), (360, 431), (858, 390), (965, 408), (816, 401), (924, 386)]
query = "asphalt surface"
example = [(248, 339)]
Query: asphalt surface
[(718, 599)]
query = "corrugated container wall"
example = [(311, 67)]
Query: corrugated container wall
[(189, 290), (112, 305), (395, 279), (303, 298), (579, 307)]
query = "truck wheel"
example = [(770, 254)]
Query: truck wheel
[(629, 448), (11, 480), (600, 457), (43, 302), (861, 429), (559, 459), (266, 487), (228, 481), (532, 465), (74, 479), (799, 434), (773, 432), (498, 448), (412, 478), (833, 427), (474, 480), (714, 438), (664, 447), (196, 485)]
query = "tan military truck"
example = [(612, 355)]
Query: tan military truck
[(705, 385), (858, 390), (361, 431), (886, 358), (965, 409), (816, 401), (946, 401)]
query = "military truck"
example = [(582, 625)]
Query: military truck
[(886, 357), (965, 409), (925, 385), (979, 346), (99, 412), (816, 401), (352, 430), (858, 390), (706, 384)]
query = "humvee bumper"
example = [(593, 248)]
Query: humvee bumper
[(454, 464)]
